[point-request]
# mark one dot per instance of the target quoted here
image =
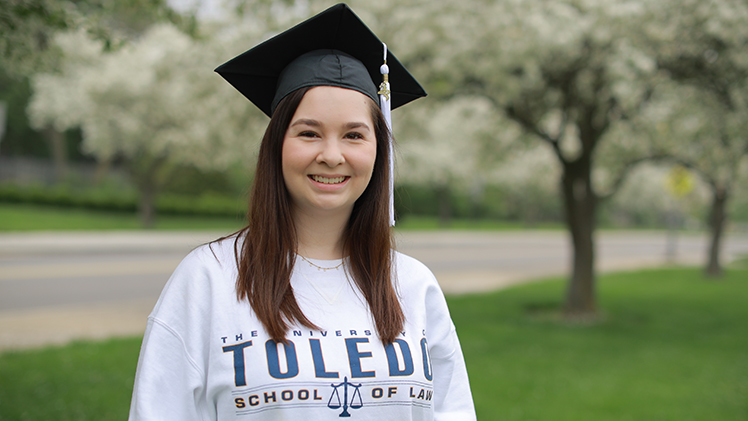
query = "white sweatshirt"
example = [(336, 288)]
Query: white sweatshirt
[(205, 355)]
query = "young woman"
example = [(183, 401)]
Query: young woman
[(308, 313)]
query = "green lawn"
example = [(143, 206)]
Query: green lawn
[(78, 382), (428, 223), (670, 346), (25, 217), (21, 217)]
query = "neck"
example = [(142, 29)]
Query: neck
[(320, 237)]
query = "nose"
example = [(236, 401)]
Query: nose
[(330, 154)]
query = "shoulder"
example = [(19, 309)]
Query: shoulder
[(207, 270), (214, 257), (415, 281), (422, 299), (410, 270), (221, 252)]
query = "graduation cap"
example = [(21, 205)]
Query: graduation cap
[(333, 48), (259, 73)]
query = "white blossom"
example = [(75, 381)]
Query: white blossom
[(157, 96)]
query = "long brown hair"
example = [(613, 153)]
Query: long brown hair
[(268, 251)]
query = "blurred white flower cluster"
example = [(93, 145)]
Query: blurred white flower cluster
[(156, 96)]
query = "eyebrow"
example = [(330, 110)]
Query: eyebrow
[(306, 121), (357, 125), (316, 123)]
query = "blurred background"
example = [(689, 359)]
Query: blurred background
[(114, 105), (580, 118)]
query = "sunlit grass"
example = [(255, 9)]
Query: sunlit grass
[(670, 345)]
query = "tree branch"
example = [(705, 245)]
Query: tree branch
[(528, 125), (724, 139), (622, 175), (687, 164), (562, 127)]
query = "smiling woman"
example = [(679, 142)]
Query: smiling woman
[(308, 312), (328, 157)]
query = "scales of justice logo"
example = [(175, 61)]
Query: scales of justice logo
[(355, 401)]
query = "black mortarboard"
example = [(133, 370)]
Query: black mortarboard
[(326, 50)]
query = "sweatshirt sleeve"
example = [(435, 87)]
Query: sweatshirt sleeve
[(170, 378), (168, 382), (453, 400)]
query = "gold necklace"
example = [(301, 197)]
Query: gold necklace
[(320, 267)]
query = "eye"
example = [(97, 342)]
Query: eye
[(307, 133), (354, 135)]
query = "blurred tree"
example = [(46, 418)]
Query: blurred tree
[(27, 28), (695, 129), (26, 31), (153, 104), (445, 147), (702, 120), (113, 21), (565, 72), (19, 139)]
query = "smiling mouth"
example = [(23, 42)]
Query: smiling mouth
[(327, 180)]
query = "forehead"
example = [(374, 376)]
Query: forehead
[(330, 102)]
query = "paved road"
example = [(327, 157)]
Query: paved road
[(55, 287)]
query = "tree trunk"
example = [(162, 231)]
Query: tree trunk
[(580, 204), (717, 220), (148, 175), (671, 244), (445, 205), (147, 204), (58, 151), (102, 170)]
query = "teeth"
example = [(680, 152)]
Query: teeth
[(326, 180)]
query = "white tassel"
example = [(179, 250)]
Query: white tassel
[(385, 104)]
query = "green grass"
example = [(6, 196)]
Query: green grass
[(670, 346), (740, 263), (29, 217), (19, 217), (429, 223), (81, 381)]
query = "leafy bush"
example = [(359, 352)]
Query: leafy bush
[(494, 202), (124, 200), (65, 196)]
